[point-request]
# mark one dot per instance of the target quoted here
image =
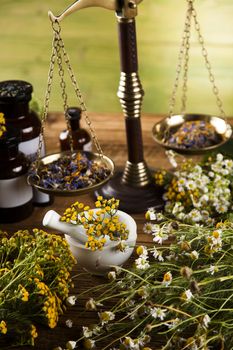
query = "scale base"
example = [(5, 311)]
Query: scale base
[(132, 199)]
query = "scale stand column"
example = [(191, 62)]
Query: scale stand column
[(133, 186)]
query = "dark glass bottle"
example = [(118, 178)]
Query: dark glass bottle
[(15, 193), (81, 138), (15, 96)]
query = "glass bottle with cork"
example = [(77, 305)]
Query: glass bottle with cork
[(15, 96), (81, 138), (15, 193)]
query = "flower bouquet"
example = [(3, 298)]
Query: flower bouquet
[(98, 237), (35, 280), (100, 224), (198, 193)]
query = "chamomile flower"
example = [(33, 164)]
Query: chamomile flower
[(88, 344), (216, 238), (167, 279), (130, 344), (71, 344), (106, 317), (91, 304), (143, 292), (212, 269), (142, 251), (112, 275), (187, 295), (157, 312), (160, 236), (195, 189), (172, 158), (173, 323), (205, 321), (150, 214), (147, 228), (142, 263), (71, 300), (157, 254), (69, 323), (194, 255)]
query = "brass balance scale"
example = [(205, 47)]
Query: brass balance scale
[(134, 186), (167, 132)]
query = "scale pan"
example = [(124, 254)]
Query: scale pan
[(70, 183), (165, 133)]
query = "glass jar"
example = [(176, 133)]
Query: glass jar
[(15, 96), (81, 137), (15, 193)]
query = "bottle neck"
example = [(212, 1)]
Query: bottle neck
[(14, 110), (74, 124)]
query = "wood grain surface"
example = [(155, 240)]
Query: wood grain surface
[(111, 134)]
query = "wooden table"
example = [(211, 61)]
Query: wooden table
[(111, 134)]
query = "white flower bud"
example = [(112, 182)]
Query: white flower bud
[(71, 300), (69, 323), (71, 344)]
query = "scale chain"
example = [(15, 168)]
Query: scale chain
[(79, 95), (63, 88), (186, 58), (207, 63), (46, 102), (184, 55), (179, 66), (57, 48)]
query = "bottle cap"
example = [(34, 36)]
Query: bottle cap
[(15, 91), (74, 112)]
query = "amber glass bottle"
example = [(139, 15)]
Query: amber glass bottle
[(15, 96), (81, 138), (15, 193)]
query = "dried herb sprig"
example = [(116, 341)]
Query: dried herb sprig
[(180, 293)]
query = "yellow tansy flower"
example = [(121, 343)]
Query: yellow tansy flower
[(3, 327)]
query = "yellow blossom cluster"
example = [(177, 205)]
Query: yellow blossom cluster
[(23, 293), (160, 177), (175, 195), (35, 278), (99, 223), (33, 333), (42, 288), (3, 327), (173, 192), (51, 311), (2, 124)]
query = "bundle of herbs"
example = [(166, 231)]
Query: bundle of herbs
[(178, 293), (35, 279)]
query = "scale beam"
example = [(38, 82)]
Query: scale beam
[(125, 8)]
